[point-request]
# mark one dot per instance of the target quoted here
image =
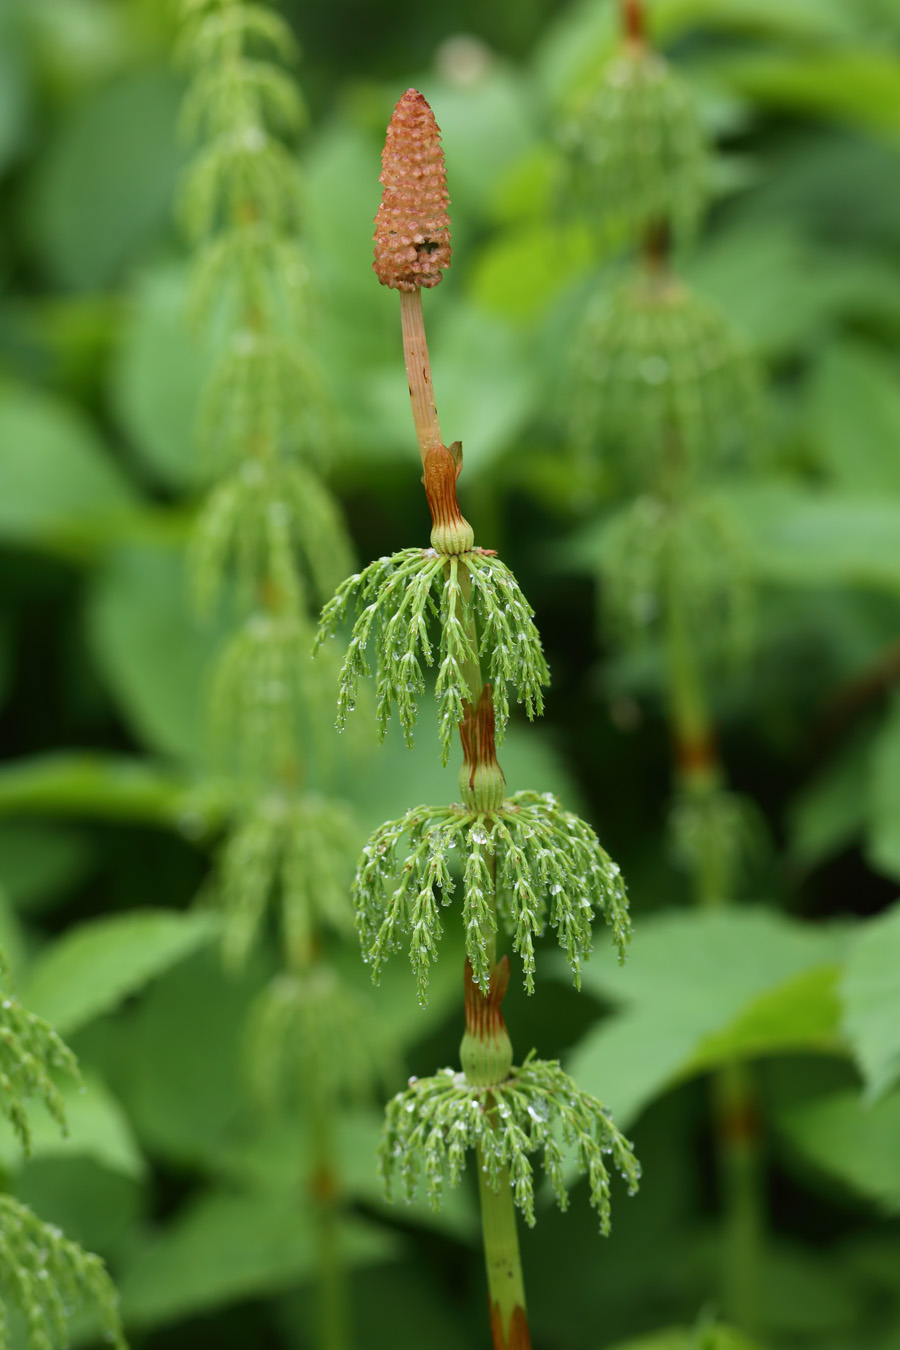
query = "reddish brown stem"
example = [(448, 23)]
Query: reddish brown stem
[(633, 20)]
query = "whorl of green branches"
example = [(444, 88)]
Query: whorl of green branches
[(261, 525), (263, 399), (429, 1127), (264, 689), (663, 384), (719, 833), (654, 548), (30, 1051), (295, 853), (638, 152), (251, 268), (214, 29), (399, 595), (313, 1041), (46, 1277), (524, 864)]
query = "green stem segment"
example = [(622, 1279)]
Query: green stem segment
[(700, 774), (486, 1056), (333, 1315), (506, 1290)]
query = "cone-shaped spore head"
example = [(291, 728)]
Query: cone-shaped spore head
[(412, 227)]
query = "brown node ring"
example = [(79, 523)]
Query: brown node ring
[(451, 533), (484, 1018)]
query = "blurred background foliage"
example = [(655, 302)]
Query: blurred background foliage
[(109, 805)]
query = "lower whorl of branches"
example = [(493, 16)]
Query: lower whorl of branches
[(430, 1127), (46, 1277), (548, 864)]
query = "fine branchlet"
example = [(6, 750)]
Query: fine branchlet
[(264, 687), (663, 383), (466, 592), (243, 165), (312, 1041), (251, 269), (30, 1052), (719, 831), (46, 1277), (429, 1127), (651, 546), (263, 398), (293, 853), (252, 92), (270, 519), (638, 151), (524, 864), (214, 29)]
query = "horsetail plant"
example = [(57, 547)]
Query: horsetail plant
[(665, 389), (43, 1275), (523, 859), (270, 541)]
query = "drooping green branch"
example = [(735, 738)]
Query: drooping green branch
[(43, 1274)]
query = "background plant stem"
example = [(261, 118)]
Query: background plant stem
[(700, 773)]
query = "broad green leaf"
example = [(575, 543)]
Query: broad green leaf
[(106, 184), (521, 271), (854, 417), (813, 538), (871, 994), (758, 271), (92, 968), (151, 649), (883, 834), (685, 1338), (853, 1143), (776, 18), (831, 812), (157, 378), (176, 1057), (859, 86), (280, 1157), (698, 985), (802, 1014), (81, 1196), (227, 1247), (55, 474), (39, 862), (97, 1128), (101, 787)]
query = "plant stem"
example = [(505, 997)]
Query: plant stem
[(700, 774), (418, 373), (506, 1290), (333, 1317)]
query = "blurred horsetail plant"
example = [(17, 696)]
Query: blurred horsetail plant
[(523, 858), (270, 541), (665, 391), (43, 1276)]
